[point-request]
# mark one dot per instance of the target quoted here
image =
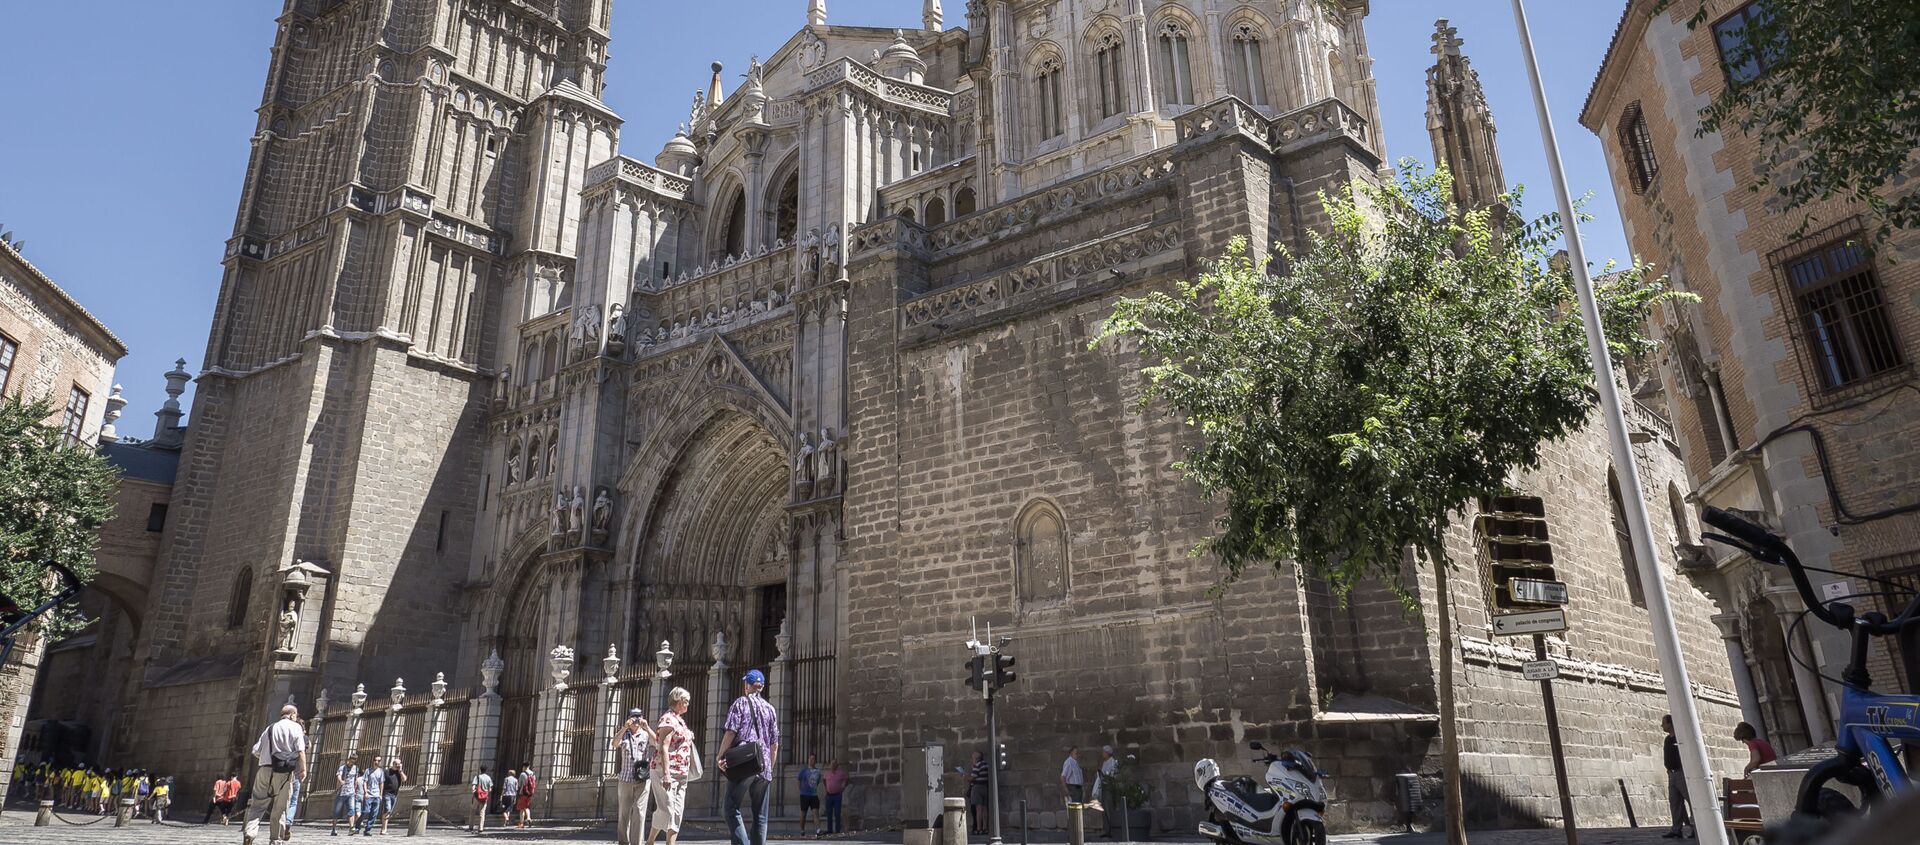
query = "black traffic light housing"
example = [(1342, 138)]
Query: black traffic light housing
[(1003, 670), (1514, 544), (976, 671)]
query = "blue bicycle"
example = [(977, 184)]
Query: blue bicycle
[(1870, 723)]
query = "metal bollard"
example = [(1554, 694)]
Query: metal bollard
[(1076, 834), (125, 813), (417, 823), (1126, 830), (45, 817), (956, 822), (1023, 821)]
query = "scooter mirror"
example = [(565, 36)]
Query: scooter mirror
[(1256, 746)]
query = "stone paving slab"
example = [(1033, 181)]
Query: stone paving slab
[(16, 828)]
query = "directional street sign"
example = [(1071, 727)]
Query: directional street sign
[(1532, 622), (1540, 670), (1532, 591)]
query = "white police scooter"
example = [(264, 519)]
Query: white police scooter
[(1283, 811)]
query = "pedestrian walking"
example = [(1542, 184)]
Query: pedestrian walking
[(1677, 801), (281, 752), (809, 783), (528, 783), (1759, 751), (679, 762), (834, 783), (396, 775), (635, 745), (373, 790), (1073, 781), (509, 796), (753, 737), (482, 784), (977, 779), (346, 797), (162, 799)]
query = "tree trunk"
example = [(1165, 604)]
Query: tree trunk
[(1449, 728)]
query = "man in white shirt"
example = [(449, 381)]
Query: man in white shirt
[(281, 752), (1073, 781)]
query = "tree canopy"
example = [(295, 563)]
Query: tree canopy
[(1404, 364), (53, 500), (1830, 90)]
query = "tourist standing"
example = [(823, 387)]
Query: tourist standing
[(482, 789), (396, 775), (1103, 789), (281, 752), (1676, 784), (750, 721), (977, 779), (834, 783), (373, 789), (346, 798), (679, 763), (1073, 781), (809, 782), (528, 783), (634, 744), (1759, 751)]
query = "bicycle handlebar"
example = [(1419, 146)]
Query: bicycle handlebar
[(1756, 540)]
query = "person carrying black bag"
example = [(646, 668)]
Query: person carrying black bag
[(747, 752), (635, 744)]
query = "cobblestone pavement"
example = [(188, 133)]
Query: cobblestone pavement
[(16, 826)]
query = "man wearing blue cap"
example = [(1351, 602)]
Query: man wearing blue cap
[(751, 721)]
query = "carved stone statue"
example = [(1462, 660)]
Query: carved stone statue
[(810, 251), (513, 466), (827, 454), (553, 451), (490, 670), (602, 514), (577, 518), (559, 514), (830, 254), (503, 382), (803, 461), (289, 627), (590, 328), (617, 330)]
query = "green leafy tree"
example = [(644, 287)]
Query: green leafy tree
[(1407, 363), (1830, 90), (53, 500)]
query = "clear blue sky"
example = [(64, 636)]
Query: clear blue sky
[(128, 128)]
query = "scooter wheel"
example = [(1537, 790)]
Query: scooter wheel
[(1308, 832)]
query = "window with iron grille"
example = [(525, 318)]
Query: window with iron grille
[(76, 414), (1902, 570), (1848, 334), (1636, 148), (1742, 61), (7, 350)]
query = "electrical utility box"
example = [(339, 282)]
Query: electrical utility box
[(920, 793)]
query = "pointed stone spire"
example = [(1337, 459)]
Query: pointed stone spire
[(816, 12), (715, 95), (115, 402), (166, 428), (1460, 124), (930, 15)]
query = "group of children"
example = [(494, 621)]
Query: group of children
[(96, 790)]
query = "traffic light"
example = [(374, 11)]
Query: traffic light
[(1002, 670), (1002, 759), (1518, 555), (976, 670)]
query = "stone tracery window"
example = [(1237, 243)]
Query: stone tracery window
[(237, 601), (1052, 117), (1109, 60), (1246, 68), (1040, 553), (1176, 70), (786, 213)]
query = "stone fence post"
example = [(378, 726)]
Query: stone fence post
[(432, 757), (317, 728), (483, 717), (611, 716), (718, 700), (351, 750), (396, 726), (782, 698), (554, 715)]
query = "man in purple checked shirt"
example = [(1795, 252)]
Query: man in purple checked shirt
[(751, 719)]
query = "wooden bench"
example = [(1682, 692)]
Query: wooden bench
[(1741, 809)]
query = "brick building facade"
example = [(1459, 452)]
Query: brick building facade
[(1792, 378), (812, 392)]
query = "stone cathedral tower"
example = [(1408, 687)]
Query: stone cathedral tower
[(414, 177), (1460, 124)]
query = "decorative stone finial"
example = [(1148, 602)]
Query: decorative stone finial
[(560, 663), (398, 695), (782, 641), (931, 16), (816, 12), (663, 659), (490, 670), (721, 648), (715, 92), (167, 419), (115, 402), (1446, 39), (439, 687), (610, 665), (359, 697), (320, 704)]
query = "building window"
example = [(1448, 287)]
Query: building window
[(7, 350), (964, 202), (1108, 59), (157, 517), (1176, 72), (733, 242), (440, 534), (1052, 118), (1743, 61), (1838, 295), (1040, 553), (237, 602), (1246, 67), (1629, 562), (76, 418), (936, 211), (786, 212), (1636, 147)]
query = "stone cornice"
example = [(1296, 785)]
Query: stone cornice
[(102, 338)]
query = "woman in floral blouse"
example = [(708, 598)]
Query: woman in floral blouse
[(676, 767)]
